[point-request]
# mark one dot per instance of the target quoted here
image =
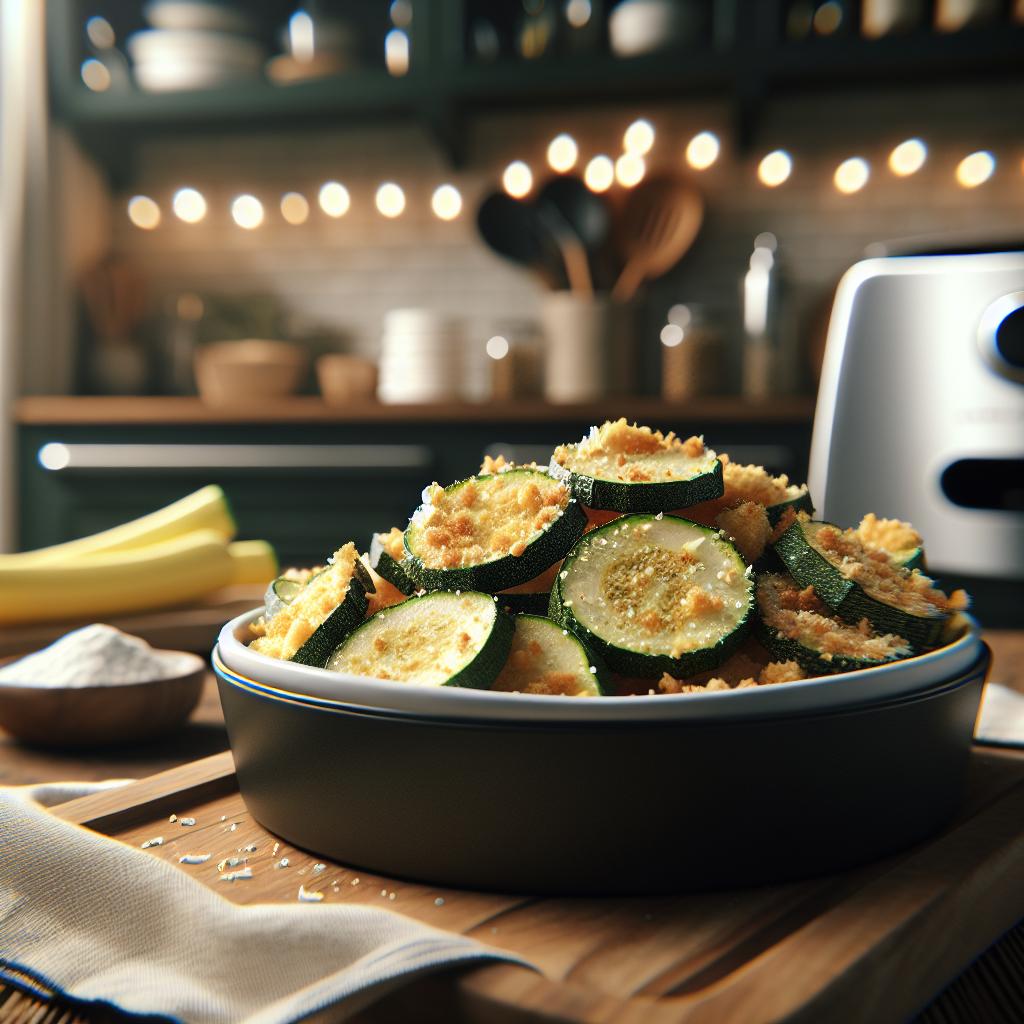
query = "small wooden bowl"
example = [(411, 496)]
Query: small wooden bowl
[(95, 716)]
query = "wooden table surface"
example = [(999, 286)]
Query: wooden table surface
[(990, 988)]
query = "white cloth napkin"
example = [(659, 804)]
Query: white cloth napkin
[(1001, 719), (93, 919)]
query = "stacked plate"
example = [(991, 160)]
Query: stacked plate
[(194, 45), (421, 357)]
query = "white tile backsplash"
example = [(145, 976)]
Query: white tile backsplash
[(345, 274)]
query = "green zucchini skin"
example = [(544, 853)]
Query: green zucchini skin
[(783, 648), (635, 663), (847, 598), (660, 496), (801, 503), (914, 560), (507, 570), (485, 667), (388, 569), (336, 627), (601, 678)]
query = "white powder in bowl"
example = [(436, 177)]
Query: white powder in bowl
[(97, 655)]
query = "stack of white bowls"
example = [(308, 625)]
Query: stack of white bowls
[(421, 357), (194, 44)]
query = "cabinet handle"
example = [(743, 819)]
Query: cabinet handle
[(57, 457)]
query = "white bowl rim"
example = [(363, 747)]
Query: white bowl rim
[(850, 689)]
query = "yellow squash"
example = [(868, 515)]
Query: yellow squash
[(160, 575), (205, 509)]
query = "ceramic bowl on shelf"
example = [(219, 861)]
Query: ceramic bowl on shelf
[(613, 796), (237, 372), (345, 378)]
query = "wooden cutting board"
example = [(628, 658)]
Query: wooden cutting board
[(873, 944), (190, 628)]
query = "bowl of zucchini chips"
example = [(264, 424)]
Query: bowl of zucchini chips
[(640, 667)]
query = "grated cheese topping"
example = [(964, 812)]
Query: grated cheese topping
[(485, 518), (421, 641), (745, 483), (800, 615), (545, 661), (747, 524), (392, 543), (627, 453), (295, 623), (893, 536), (881, 578), (657, 586)]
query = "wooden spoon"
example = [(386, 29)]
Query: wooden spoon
[(657, 225)]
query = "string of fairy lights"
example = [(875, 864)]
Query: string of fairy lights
[(600, 172)]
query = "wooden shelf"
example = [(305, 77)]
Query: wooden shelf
[(79, 411), (744, 57)]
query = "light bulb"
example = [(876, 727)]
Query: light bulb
[(189, 205), (247, 212), (562, 153), (517, 179), (851, 175), (390, 200), (599, 174), (775, 168), (975, 169), (702, 150), (446, 202), (638, 137), (334, 199), (629, 169), (908, 157), (143, 212), (294, 208)]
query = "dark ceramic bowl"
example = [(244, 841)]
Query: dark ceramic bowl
[(598, 805)]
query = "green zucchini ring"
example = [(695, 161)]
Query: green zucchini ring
[(623, 468), (493, 532), (383, 549), (653, 594), (917, 620), (547, 659), (436, 639), (320, 614), (794, 626), (801, 503)]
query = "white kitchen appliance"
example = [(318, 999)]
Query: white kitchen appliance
[(920, 410)]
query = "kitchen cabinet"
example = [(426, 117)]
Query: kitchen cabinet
[(308, 477), (741, 52)]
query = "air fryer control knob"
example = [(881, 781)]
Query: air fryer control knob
[(1001, 336)]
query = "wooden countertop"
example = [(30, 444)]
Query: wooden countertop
[(877, 942), (66, 410)]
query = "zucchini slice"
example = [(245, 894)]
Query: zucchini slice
[(437, 639), (746, 482), (546, 658), (626, 468), (794, 624), (320, 615), (280, 592), (386, 554), (654, 594), (899, 540), (491, 532), (857, 583), (801, 503)]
